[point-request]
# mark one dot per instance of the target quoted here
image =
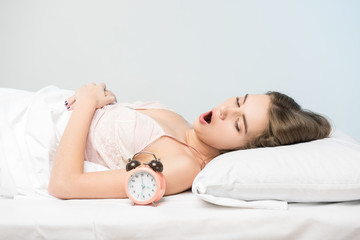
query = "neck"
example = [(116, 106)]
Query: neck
[(207, 152)]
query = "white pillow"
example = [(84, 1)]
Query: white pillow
[(324, 170)]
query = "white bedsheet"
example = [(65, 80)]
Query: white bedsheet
[(181, 216)]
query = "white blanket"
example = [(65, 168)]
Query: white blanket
[(31, 124)]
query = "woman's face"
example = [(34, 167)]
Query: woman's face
[(234, 122)]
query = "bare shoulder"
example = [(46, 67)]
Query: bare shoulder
[(180, 173), (180, 164)]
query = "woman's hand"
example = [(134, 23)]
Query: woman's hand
[(92, 94), (67, 179)]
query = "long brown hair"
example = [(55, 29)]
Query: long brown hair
[(289, 124)]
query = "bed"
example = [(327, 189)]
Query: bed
[(182, 216), (311, 193)]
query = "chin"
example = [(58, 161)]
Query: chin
[(196, 124)]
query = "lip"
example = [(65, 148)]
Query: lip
[(202, 118)]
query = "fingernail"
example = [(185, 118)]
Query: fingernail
[(66, 103), (68, 107)]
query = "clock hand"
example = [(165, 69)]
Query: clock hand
[(142, 183)]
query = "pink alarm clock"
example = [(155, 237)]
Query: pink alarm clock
[(145, 184)]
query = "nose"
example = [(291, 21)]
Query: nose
[(225, 111)]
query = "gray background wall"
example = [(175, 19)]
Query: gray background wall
[(190, 55)]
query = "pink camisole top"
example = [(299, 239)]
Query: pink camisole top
[(118, 131)]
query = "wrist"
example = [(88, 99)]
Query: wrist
[(84, 103)]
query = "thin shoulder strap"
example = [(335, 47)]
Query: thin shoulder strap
[(203, 162)]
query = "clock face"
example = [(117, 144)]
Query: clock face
[(142, 186)]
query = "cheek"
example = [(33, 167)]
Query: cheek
[(229, 138), (207, 135), (224, 139), (221, 137), (229, 141)]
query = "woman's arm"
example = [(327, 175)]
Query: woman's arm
[(68, 179)]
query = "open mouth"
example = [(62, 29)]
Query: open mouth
[(206, 117)]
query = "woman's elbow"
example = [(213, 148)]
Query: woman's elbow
[(58, 190)]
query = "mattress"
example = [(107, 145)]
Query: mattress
[(181, 216)]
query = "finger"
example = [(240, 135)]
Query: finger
[(108, 92), (103, 86), (110, 99), (70, 101), (112, 94), (70, 108)]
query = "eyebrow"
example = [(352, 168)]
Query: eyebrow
[(244, 119)]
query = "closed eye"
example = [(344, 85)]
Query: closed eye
[(237, 120), (238, 101), (237, 125)]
